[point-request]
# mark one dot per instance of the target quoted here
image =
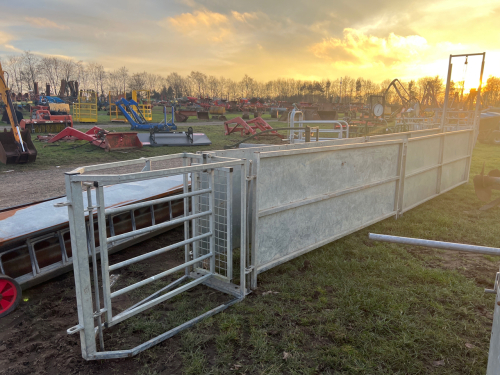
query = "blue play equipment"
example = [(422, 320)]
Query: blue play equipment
[(137, 120)]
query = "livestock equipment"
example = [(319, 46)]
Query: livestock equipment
[(249, 127), (35, 250), (85, 109)]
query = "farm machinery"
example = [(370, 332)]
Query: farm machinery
[(15, 145)]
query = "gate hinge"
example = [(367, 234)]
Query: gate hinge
[(250, 178), (495, 287), (62, 204), (248, 270)]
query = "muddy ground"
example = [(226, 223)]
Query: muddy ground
[(33, 338)]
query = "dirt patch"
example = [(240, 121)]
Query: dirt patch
[(33, 338), (482, 269), (21, 187)]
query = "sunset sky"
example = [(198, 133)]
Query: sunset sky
[(375, 39)]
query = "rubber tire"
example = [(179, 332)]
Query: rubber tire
[(18, 297)]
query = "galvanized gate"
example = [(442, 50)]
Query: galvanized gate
[(207, 187)]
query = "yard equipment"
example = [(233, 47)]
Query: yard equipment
[(137, 120), (246, 128), (143, 98), (158, 137), (109, 141), (203, 115), (489, 128), (42, 121), (15, 145), (85, 110), (483, 185)]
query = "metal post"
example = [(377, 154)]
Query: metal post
[(94, 266), (211, 205), (478, 100), (185, 190), (103, 251), (243, 213), (308, 133), (81, 268), (447, 93)]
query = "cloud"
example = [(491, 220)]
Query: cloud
[(355, 47), (4, 37), (205, 25), (44, 23), (243, 17)]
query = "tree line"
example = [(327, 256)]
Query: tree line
[(27, 68)]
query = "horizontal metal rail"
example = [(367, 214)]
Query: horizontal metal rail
[(157, 226), (157, 252), (121, 317), (322, 197), (164, 336), (98, 167), (435, 244), (129, 177), (159, 276), (118, 210)]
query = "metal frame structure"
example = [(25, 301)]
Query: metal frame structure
[(85, 110), (145, 109), (89, 308), (297, 136), (115, 115)]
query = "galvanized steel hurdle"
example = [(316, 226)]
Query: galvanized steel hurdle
[(211, 244)]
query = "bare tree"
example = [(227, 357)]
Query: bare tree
[(14, 65), (199, 80), (31, 69)]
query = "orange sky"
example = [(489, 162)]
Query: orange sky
[(374, 39)]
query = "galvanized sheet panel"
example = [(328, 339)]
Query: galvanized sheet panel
[(453, 174), (292, 230), (422, 153), (456, 145), (286, 179), (420, 187)]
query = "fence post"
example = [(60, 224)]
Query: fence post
[(78, 233), (308, 133)]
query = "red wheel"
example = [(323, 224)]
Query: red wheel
[(10, 295)]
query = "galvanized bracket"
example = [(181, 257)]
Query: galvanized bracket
[(495, 287), (74, 329), (62, 204), (250, 178)]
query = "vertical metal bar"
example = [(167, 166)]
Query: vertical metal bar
[(255, 214), (478, 101), (229, 223), (185, 188), (170, 210), (103, 251), (243, 230), (76, 219), (493, 356), (94, 267), (402, 175), (152, 210), (34, 263), (62, 245), (447, 94), (211, 207), (132, 218), (194, 208)]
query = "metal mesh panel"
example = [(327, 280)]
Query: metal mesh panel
[(222, 235)]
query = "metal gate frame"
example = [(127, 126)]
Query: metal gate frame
[(89, 310)]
